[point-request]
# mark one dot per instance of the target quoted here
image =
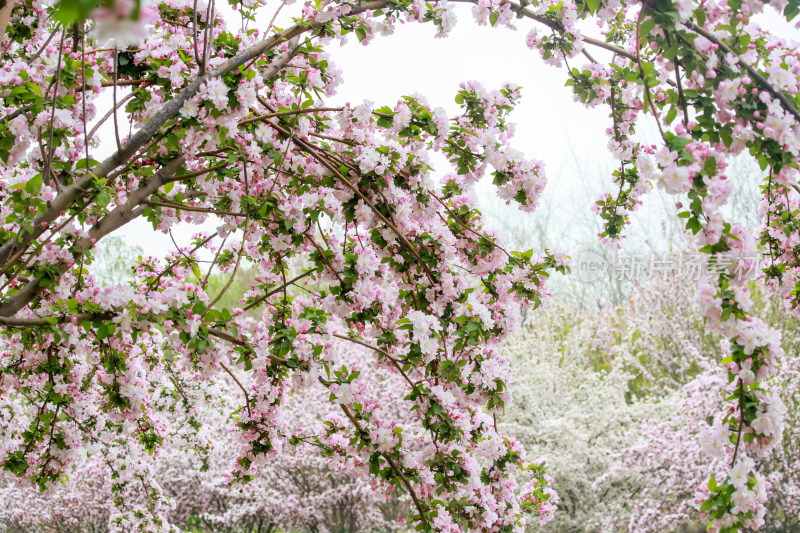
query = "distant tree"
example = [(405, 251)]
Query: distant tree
[(616, 399), (114, 261)]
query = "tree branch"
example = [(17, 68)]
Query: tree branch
[(785, 102), (112, 221), (80, 186)]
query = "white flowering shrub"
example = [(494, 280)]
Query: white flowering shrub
[(615, 399)]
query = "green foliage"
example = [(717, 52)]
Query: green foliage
[(72, 11)]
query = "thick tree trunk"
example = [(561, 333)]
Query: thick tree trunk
[(6, 6)]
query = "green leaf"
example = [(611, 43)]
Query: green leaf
[(102, 199), (725, 134), (82, 163), (710, 166), (645, 28), (700, 15), (361, 33), (172, 143), (34, 185), (34, 88), (69, 11), (791, 10), (678, 143)]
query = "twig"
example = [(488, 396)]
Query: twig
[(397, 470), (644, 76), (246, 396), (741, 422), (275, 291), (233, 340), (50, 148), (108, 115), (116, 76), (288, 113), (43, 47)]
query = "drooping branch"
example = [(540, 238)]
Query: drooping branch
[(384, 353), (393, 465), (66, 198), (239, 383), (52, 320), (313, 151), (756, 75), (557, 27)]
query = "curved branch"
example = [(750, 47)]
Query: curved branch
[(246, 396), (555, 26), (394, 466), (785, 102), (278, 289), (233, 340), (63, 319), (312, 150)]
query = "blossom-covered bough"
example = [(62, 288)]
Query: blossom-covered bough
[(354, 237)]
